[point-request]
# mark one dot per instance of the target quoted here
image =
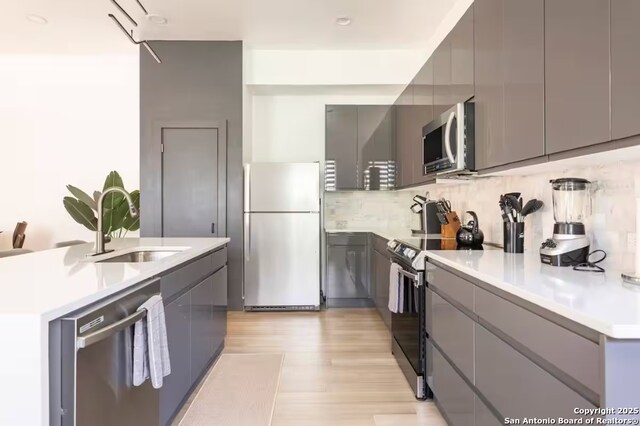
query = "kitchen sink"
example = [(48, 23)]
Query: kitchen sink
[(140, 256)]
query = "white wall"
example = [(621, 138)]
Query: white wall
[(63, 120), (292, 127)]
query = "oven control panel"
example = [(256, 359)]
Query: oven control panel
[(409, 254)]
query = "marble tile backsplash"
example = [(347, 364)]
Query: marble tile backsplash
[(611, 225), (369, 210)]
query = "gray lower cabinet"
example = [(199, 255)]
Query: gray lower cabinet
[(452, 331), (220, 298), (453, 395), (195, 314), (176, 385), (577, 49), (202, 327), (484, 416), (575, 355), (495, 359), (382, 269), (625, 68), (501, 373), (347, 270), (509, 81)]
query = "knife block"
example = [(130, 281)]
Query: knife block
[(451, 229)]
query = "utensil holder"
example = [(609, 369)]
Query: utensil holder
[(513, 233)]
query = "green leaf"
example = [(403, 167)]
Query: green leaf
[(112, 219), (96, 196), (82, 196), (113, 199), (81, 213), (132, 223)]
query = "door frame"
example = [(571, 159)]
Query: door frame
[(153, 199)]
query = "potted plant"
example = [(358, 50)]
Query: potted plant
[(117, 221)]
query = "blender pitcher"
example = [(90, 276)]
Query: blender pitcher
[(569, 245)]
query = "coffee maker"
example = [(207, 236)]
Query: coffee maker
[(428, 210), (569, 245)]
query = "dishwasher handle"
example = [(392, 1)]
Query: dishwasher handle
[(110, 330)]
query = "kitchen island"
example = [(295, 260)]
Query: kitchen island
[(41, 287)]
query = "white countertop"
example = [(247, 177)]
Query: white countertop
[(388, 234), (52, 283), (601, 302)]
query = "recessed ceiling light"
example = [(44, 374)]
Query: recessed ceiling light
[(157, 19), (36, 19), (343, 21)]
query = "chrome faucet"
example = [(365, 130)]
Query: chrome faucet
[(99, 233)]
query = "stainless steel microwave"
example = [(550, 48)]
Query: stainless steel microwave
[(448, 142)]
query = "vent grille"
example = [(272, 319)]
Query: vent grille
[(282, 308)]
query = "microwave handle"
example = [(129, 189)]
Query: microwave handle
[(447, 138)]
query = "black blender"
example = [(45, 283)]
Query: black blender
[(569, 245)]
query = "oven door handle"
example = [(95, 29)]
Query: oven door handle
[(416, 278), (447, 138)]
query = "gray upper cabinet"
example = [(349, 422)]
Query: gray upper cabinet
[(453, 66), (462, 58), (442, 99), (341, 147), (509, 81), (376, 148), (577, 73), (359, 146), (406, 137), (422, 115), (625, 68)]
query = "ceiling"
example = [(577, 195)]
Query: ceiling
[(82, 25)]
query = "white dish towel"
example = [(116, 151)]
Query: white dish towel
[(150, 348), (395, 288)]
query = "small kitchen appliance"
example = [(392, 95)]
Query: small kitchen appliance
[(470, 235), (448, 142), (428, 211), (569, 245)]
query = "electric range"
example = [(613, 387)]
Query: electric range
[(408, 325)]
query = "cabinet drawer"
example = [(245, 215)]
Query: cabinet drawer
[(454, 397), (452, 331), (347, 239), (174, 282), (456, 288), (218, 259), (484, 416), (516, 386), (568, 351)]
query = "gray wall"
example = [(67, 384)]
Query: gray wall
[(196, 81)]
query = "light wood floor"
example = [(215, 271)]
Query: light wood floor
[(338, 368)]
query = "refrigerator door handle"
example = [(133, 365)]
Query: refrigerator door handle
[(247, 246), (247, 188)]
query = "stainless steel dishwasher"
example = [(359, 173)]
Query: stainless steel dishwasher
[(97, 365)]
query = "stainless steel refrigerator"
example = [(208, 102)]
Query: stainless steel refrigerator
[(282, 236)]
